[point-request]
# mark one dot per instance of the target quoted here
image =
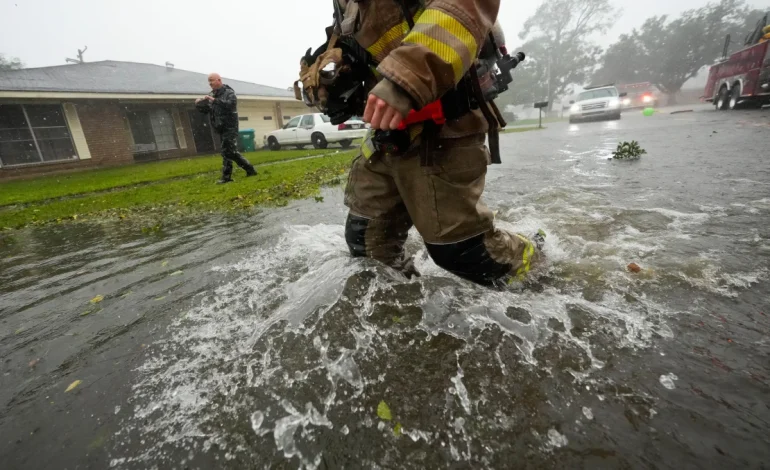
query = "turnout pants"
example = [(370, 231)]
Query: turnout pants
[(387, 195), (230, 154)]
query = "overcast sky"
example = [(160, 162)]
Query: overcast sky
[(253, 40)]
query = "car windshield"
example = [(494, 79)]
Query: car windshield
[(600, 93)]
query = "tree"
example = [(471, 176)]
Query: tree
[(10, 64), (668, 53), (559, 48)]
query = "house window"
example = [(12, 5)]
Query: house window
[(153, 130), (243, 118), (267, 118), (34, 133), (286, 118)]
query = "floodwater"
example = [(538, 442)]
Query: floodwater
[(255, 341)]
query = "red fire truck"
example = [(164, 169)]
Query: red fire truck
[(743, 79)]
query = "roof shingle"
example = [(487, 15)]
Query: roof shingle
[(111, 76)]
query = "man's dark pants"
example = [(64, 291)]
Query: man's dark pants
[(230, 154)]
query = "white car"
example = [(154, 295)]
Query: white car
[(315, 129), (601, 102)]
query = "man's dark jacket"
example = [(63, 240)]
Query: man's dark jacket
[(223, 111)]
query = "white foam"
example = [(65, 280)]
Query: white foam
[(667, 381)]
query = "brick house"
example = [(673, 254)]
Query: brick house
[(70, 117)]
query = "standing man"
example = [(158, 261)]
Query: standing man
[(222, 107), (431, 174)]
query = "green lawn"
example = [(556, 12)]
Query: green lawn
[(509, 130), (55, 186), (167, 188), (529, 122)]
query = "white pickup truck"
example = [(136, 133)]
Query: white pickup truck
[(315, 129)]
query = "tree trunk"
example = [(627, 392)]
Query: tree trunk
[(671, 99)]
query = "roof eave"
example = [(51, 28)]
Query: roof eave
[(68, 95)]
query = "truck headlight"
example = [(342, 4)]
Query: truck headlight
[(614, 103), (575, 108), (626, 101)]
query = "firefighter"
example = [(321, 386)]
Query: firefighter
[(430, 174)]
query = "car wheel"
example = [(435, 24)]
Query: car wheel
[(735, 97), (346, 143), (272, 143), (319, 141), (722, 99)]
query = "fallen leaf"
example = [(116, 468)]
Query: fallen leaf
[(397, 430), (164, 263), (176, 273), (634, 268), (383, 411), (73, 385), (161, 298), (97, 299)]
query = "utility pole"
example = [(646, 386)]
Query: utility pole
[(80, 57), (548, 95)]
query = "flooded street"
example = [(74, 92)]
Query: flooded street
[(256, 341)]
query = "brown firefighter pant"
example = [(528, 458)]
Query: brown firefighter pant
[(387, 194)]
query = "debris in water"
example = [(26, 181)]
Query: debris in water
[(397, 430), (345, 430), (668, 380), (34, 362), (73, 385), (97, 299), (176, 273), (556, 439), (634, 268), (383, 411), (588, 413), (628, 151)]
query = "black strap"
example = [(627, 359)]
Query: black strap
[(494, 135), (428, 137)]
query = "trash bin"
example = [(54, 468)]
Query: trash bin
[(246, 140)]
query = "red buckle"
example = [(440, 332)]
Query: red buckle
[(430, 112)]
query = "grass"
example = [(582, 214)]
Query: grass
[(55, 186), (175, 188), (509, 130), (529, 122)]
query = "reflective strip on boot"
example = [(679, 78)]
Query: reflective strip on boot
[(529, 251)]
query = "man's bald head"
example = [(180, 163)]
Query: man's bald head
[(215, 81)]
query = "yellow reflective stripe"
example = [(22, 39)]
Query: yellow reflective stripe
[(445, 36), (394, 34), (529, 250), (445, 53), (367, 147), (450, 24)]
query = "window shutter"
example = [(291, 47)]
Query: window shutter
[(179, 129), (76, 129)]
